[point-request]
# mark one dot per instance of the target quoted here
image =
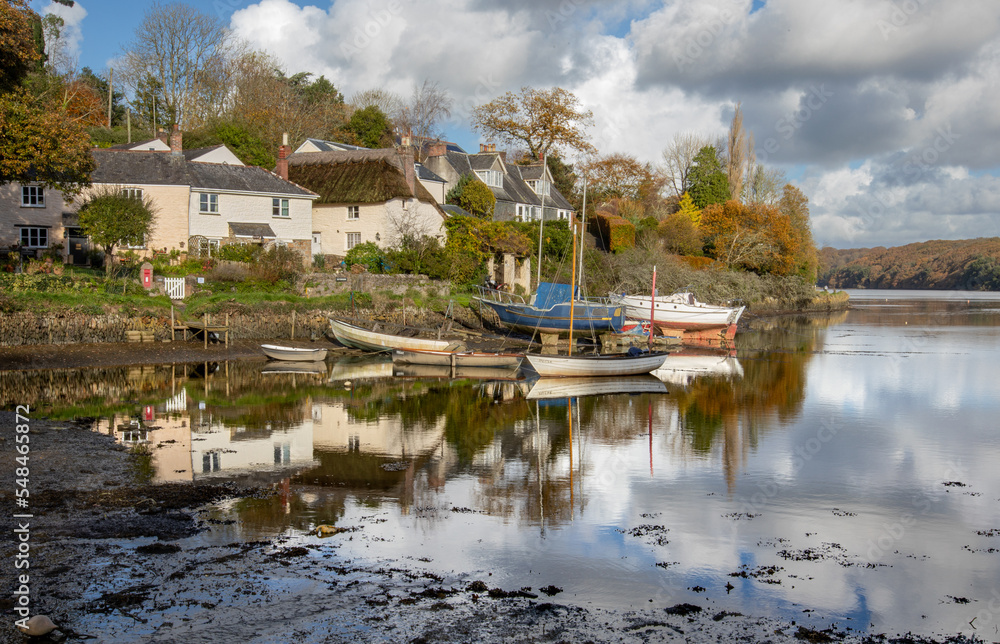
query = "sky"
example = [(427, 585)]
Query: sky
[(883, 112)]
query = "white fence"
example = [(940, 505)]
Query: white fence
[(174, 287)]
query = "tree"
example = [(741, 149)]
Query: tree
[(740, 155), (795, 206), (390, 103), (99, 84), (707, 183), (678, 159), (753, 237), (541, 120), (249, 148), (473, 195), (680, 235), (19, 50), (687, 208), (177, 45), (620, 176), (371, 126), (112, 218), (421, 117), (39, 143), (764, 185)]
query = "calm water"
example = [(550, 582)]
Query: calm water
[(839, 469)]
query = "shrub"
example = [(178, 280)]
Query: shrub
[(239, 252), (368, 255), (277, 263), (229, 272)]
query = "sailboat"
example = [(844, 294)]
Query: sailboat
[(551, 310), (634, 362)]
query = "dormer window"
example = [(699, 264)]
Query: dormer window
[(540, 187), (492, 178)]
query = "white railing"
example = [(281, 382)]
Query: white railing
[(174, 287)]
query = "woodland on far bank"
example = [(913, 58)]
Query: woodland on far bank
[(964, 264)]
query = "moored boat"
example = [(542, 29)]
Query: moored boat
[(680, 311), (360, 338), (551, 310), (294, 354), (624, 364)]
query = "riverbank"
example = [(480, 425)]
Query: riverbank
[(118, 560)]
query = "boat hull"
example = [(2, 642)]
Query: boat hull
[(587, 365), (548, 388), (359, 338), (293, 354), (675, 313), (587, 318), (458, 359)]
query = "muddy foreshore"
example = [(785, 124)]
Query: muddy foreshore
[(106, 564)]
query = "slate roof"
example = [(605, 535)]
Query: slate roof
[(159, 168), (426, 175), (357, 176), (333, 146), (251, 230), (555, 199), (455, 210)]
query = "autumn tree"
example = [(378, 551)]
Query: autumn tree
[(795, 206), (19, 50), (619, 176), (678, 159), (680, 235), (111, 218), (753, 237), (541, 120), (707, 181), (178, 46), (687, 208), (473, 195), (740, 156)]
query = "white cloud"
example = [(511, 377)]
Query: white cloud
[(71, 34)]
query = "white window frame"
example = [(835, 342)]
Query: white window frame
[(141, 246), (353, 213), (353, 239), (208, 203), (279, 208), (208, 245), (40, 232), (131, 193), (32, 197), (492, 178)]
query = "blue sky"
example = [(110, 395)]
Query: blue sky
[(882, 113)]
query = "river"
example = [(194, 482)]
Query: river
[(831, 470)]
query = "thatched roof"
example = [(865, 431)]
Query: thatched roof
[(355, 177)]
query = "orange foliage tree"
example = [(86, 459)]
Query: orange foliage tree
[(754, 237)]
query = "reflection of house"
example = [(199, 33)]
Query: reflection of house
[(336, 431), (364, 196), (216, 452), (203, 198)]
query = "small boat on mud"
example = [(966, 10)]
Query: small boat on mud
[(293, 354), (360, 338), (622, 364), (458, 358), (680, 311)]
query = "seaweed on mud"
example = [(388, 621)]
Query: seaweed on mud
[(682, 609)]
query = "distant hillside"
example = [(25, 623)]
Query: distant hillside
[(966, 264)]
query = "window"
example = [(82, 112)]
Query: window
[(354, 212), (209, 203), (520, 212), (136, 244), (279, 207), (34, 237), (132, 193), (492, 178), (33, 196), (540, 187), (353, 239)]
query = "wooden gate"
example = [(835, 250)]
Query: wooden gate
[(174, 286)]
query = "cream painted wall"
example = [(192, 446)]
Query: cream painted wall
[(13, 213), (436, 188), (384, 220), (250, 209), (169, 219)]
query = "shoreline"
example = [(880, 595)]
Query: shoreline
[(123, 561)]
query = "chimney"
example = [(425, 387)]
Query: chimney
[(437, 149), (406, 161), (283, 153), (176, 140), (483, 148)]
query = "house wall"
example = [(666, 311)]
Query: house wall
[(436, 188), (250, 209), (12, 213), (440, 166), (384, 220), (169, 219), (219, 155)]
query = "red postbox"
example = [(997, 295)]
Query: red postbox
[(147, 275)]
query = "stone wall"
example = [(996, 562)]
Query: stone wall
[(320, 284)]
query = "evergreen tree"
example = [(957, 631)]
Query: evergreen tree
[(707, 181)]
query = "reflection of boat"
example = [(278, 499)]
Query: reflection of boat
[(567, 387), (361, 367), (446, 371), (359, 338), (549, 311), (623, 364), (297, 354), (458, 358), (287, 366), (679, 311), (681, 368)]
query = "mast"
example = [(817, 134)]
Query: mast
[(652, 310), (541, 225), (583, 218), (572, 295)]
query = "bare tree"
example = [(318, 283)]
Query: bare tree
[(422, 115), (176, 45), (389, 103), (763, 185), (739, 153), (678, 157)]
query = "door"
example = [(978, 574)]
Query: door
[(317, 244), (79, 249)]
